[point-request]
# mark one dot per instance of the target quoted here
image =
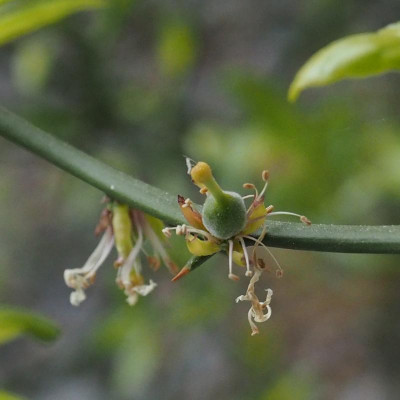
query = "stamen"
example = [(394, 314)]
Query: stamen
[(187, 203), (203, 190), (264, 189), (230, 256), (269, 209), (302, 218), (251, 186), (167, 232), (265, 175), (184, 230), (246, 257), (248, 186), (268, 250), (248, 196), (305, 220)]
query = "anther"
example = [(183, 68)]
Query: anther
[(203, 190), (248, 186), (167, 232), (269, 209), (265, 175), (305, 220), (233, 277)]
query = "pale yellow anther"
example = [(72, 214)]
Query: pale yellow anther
[(187, 203), (265, 175), (233, 277), (203, 190), (201, 173)]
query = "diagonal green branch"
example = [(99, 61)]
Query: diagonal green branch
[(122, 187)]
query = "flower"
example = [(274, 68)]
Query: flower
[(225, 224), (127, 229)]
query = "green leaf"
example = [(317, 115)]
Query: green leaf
[(14, 322), (20, 17), (356, 56)]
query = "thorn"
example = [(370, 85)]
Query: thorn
[(184, 271)]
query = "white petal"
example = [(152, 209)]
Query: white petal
[(132, 298), (144, 290), (100, 253)]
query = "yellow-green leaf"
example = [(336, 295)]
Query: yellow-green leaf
[(14, 323), (18, 18), (355, 56)]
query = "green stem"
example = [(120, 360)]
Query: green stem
[(160, 204)]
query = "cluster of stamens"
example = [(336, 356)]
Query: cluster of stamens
[(236, 246)]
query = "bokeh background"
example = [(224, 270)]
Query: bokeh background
[(142, 83)]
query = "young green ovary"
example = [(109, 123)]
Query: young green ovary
[(224, 213)]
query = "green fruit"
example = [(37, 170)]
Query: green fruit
[(224, 216)]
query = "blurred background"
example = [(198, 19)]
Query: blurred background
[(139, 84)]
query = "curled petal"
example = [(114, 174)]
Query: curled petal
[(257, 309), (81, 278), (134, 292)]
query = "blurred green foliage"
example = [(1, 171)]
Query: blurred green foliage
[(14, 323), (9, 396), (19, 17)]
